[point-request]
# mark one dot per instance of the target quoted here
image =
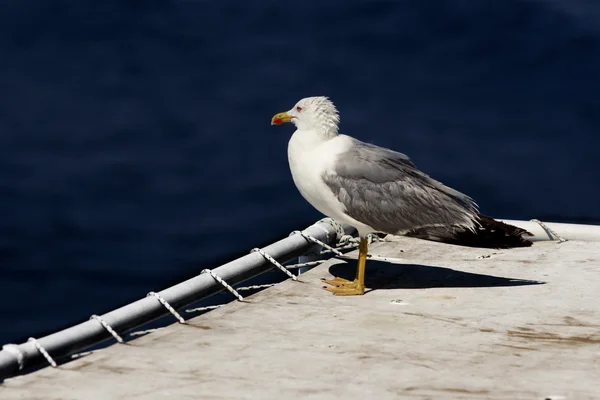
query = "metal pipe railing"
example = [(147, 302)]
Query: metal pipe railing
[(543, 231), (79, 337)]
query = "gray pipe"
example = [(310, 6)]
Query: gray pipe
[(76, 338)]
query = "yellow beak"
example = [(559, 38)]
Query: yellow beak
[(280, 118)]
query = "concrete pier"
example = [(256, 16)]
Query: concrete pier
[(441, 322)]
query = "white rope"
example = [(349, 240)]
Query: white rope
[(43, 351), (275, 263), (348, 242), (317, 241), (346, 247), (346, 239), (15, 351), (144, 332), (206, 308), (549, 230), (167, 306), (339, 229), (255, 287), (106, 326), (222, 282), (305, 264)]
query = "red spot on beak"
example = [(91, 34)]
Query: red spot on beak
[(277, 121)]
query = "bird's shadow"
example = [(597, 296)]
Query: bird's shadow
[(385, 275)]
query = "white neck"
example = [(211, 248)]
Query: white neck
[(308, 139)]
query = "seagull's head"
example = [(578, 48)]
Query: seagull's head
[(311, 113)]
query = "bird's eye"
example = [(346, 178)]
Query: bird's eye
[(298, 108)]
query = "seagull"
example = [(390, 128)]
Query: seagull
[(378, 190)]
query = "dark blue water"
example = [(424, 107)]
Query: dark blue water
[(136, 150)]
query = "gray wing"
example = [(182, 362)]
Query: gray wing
[(384, 190)]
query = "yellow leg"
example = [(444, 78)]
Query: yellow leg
[(344, 287)]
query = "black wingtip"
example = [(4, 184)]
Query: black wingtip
[(490, 234)]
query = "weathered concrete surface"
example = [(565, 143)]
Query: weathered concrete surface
[(452, 323)]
